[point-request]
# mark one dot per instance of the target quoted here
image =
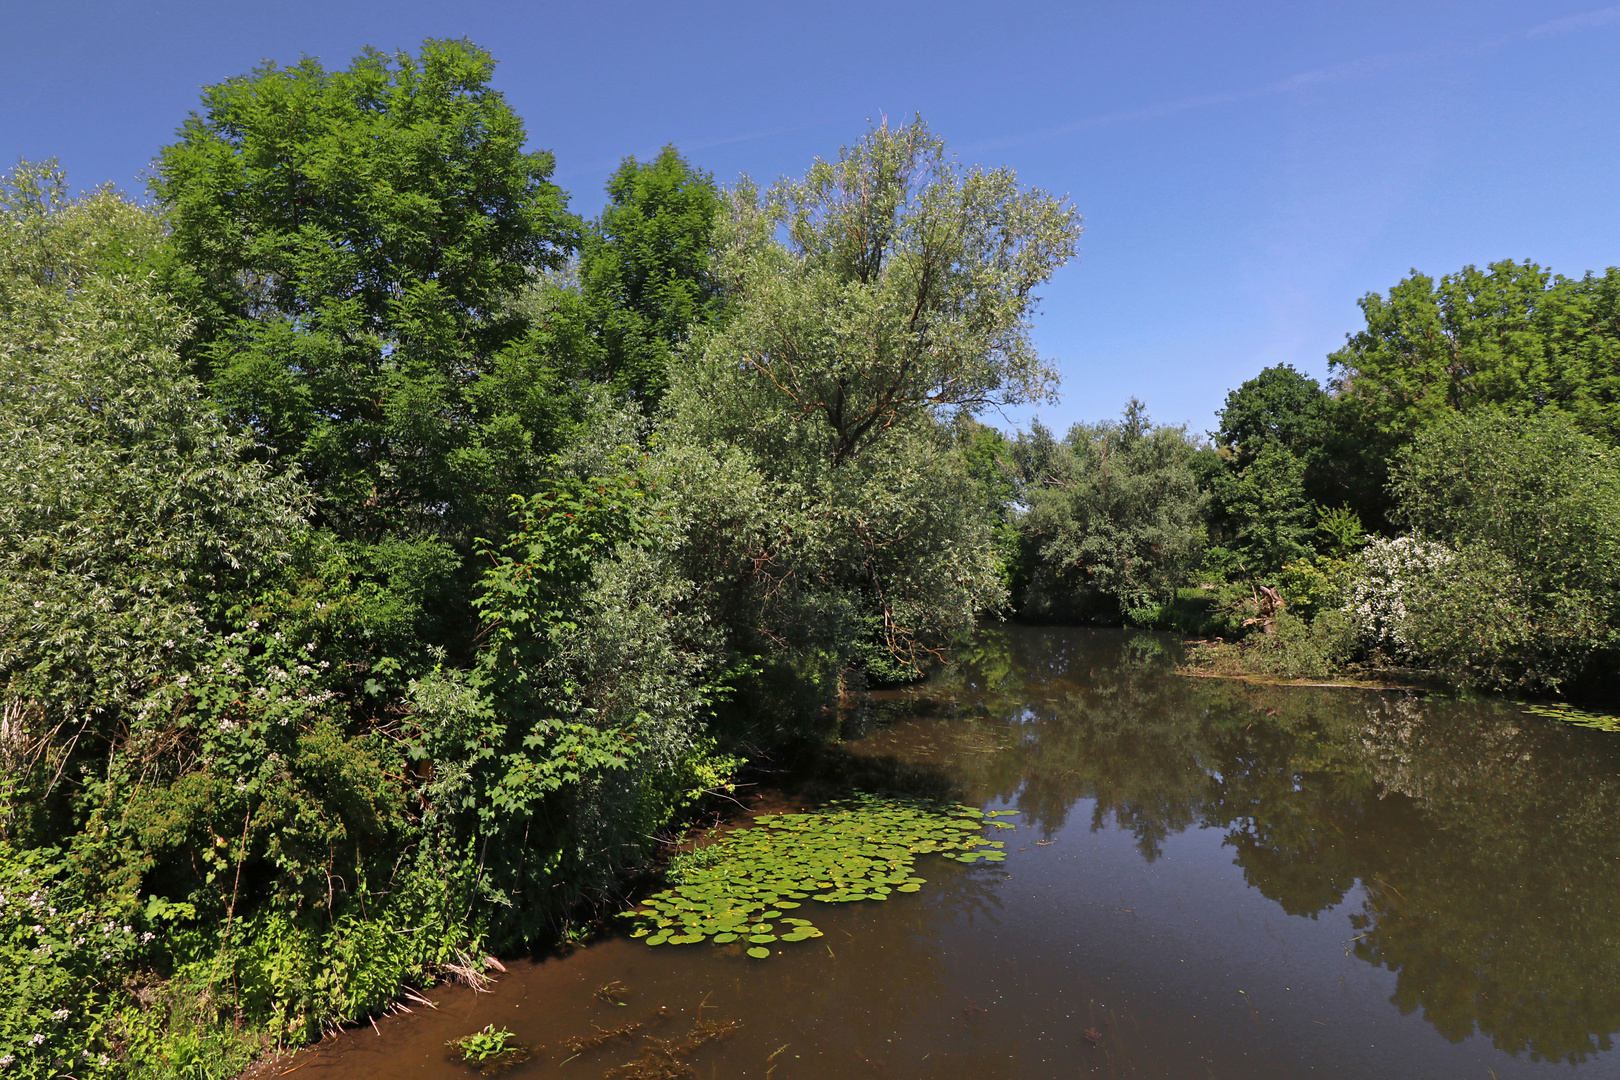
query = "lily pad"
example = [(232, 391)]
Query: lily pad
[(759, 953), (856, 850)]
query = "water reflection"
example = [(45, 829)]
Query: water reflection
[(1484, 840), (1209, 878)]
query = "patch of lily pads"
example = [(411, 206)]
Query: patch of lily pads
[(855, 849), (1578, 717)]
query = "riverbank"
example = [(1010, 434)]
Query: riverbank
[(1204, 876)]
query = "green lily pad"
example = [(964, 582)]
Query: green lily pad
[(758, 953), (851, 851)]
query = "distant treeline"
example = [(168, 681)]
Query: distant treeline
[(1448, 505), (391, 556)]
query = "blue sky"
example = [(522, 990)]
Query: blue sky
[(1246, 171)]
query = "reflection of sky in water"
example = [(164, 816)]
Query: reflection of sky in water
[(1210, 878)]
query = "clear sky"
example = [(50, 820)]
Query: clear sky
[(1246, 171)]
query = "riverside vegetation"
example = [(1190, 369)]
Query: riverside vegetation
[(391, 555)]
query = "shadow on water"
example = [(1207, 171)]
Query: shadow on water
[(1209, 878)]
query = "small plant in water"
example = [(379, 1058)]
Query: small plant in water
[(861, 849), (490, 1051)]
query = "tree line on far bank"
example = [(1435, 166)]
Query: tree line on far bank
[(392, 554), (1448, 505)]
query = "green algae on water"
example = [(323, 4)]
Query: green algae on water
[(856, 849)]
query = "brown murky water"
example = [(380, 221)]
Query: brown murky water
[(1208, 879)]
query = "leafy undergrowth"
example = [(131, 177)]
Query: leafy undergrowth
[(741, 886)]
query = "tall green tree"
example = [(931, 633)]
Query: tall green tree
[(1278, 404), (1531, 506), (132, 515), (1514, 335), (645, 269), (902, 283), (806, 438), (1270, 519), (1290, 408), (348, 241)]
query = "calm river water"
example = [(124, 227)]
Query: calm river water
[(1208, 879)]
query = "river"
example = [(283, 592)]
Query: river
[(1207, 879)]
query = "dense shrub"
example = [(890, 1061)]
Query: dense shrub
[(1383, 579), (1532, 505), (1114, 520)]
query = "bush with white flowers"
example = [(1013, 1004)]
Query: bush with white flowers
[(1383, 576)]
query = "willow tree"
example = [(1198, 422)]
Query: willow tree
[(892, 282), (867, 303)]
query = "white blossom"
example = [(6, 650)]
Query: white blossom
[(1383, 575)]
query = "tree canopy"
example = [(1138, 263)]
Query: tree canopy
[(1514, 335), (348, 241), (889, 282), (646, 269)]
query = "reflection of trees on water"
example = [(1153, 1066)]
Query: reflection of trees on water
[(1485, 841)]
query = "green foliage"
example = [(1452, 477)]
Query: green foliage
[(988, 457), (491, 1051), (1309, 586), (858, 850), (132, 514), (1532, 506), (890, 283), (1278, 405), (1281, 405), (1114, 517), (58, 948), (1537, 490), (824, 507), (1513, 335), (1340, 532), (347, 240), (1297, 648), (1270, 518), (645, 269), (581, 730)]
